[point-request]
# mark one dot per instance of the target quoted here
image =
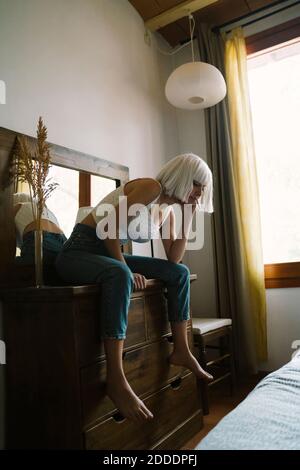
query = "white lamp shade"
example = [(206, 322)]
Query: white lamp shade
[(195, 85)]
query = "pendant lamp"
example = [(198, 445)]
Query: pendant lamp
[(195, 85)]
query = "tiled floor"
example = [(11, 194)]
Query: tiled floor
[(221, 403)]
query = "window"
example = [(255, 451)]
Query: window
[(100, 187), (63, 202), (274, 77), (76, 189)]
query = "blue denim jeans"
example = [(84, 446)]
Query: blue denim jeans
[(52, 245), (85, 260)]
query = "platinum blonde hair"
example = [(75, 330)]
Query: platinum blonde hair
[(177, 176), (19, 198)]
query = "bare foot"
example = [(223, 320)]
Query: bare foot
[(187, 360), (129, 405)]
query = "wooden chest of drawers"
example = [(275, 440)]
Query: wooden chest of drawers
[(56, 373)]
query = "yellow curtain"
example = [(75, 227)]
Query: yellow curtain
[(245, 175)]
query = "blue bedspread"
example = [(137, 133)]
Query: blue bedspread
[(269, 418)]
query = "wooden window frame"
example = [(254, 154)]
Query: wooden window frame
[(84, 189), (273, 36), (281, 275), (277, 275)]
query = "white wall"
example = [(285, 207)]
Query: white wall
[(83, 65)]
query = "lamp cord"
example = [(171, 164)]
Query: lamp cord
[(175, 50), (192, 28)]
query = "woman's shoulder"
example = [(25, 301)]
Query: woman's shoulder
[(22, 208), (146, 184)]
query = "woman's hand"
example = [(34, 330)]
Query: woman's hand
[(193, 204), (140, 281)]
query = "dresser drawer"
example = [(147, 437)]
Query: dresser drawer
[(90, 346), (156, 315), (147, 370), (157, 322), (171, 406)]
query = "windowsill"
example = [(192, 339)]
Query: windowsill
[(282, 275)]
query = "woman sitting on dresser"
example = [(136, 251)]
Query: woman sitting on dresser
[(53, 236), (89, 257)]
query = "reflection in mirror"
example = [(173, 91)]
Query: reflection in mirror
[(52, 237), (83, 181), (63, 202), (100, 187)]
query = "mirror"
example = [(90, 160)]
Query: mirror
[(63, 202), (75, 189), (83, 181)]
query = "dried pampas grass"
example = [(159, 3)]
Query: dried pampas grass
[(33, 168)]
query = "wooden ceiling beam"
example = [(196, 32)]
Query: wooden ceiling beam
[(175, 13)]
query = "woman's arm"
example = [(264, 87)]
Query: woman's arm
[(175, 247), (141, 191)]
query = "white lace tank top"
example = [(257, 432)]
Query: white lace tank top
[(146, 228)]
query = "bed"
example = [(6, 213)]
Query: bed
[(268, 419)]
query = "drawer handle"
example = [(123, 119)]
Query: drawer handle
[(118, 418), (176, 384), (169, 339)]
